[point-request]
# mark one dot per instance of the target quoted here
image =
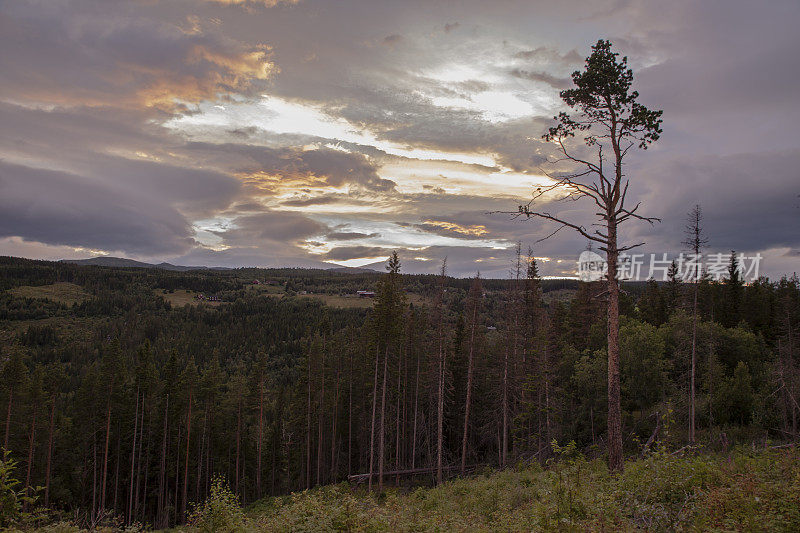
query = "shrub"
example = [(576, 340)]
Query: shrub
[(220, 511), (12, 499)]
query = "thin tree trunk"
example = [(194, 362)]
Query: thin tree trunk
[(333, 429), (133, 457), (260, 436), (381, 449), (416, 411), (692, 416), (308, 426), (94, 475), (469, 388), (372, 426), (200, 449), (177, 471), (397, 424), (163, 470), (8, 416), (238, 441), (116, 470), (105, 454), (504, 408), (139, 460), (186, 467), (320, 411), (50, 433), (146, 463), (440, 411), (31, 445), (350, 420)]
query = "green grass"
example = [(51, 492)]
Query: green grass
[(746, 491), (61, 292)]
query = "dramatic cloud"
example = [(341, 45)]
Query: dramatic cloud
[(57, 208), (281, 132), (66, 54)]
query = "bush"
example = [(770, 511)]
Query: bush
[(12, 499), (220, 511)]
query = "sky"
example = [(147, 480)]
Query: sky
[(323, 133)]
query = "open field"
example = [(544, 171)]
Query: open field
[(336, 300), (180, 297), (61, 292)]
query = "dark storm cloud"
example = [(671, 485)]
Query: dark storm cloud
[(270, 227), (333, 167), (749, 200), (59, 208)]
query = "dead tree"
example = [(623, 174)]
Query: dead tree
[(442, 370), (694, 240), (474, 303)]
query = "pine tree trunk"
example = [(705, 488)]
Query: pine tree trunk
[(350, 420), (163, 470), (381, 446), (692, 416), (200, 449), (397, 419), (139, 460), (8, 416), (372, 426), (94, 475), (260, 437), (308, 426), (186, 465), (133, 458), (416, 412), (440, 411), (50, 433), (116, 471), (333, 429), (105, 454), (615, 459), (320, 412), (504, 408), (177, 472), (146, 463), (238, 442), (469, 390), (31, 445)]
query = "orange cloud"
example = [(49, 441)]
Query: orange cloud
[(222, 73), (476, 230)]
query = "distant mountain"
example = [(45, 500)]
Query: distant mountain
[(353, 270), (121, 262)]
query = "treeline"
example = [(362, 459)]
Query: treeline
[(124, 405)]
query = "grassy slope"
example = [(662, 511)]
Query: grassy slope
[(61, 292), (746, 491)]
